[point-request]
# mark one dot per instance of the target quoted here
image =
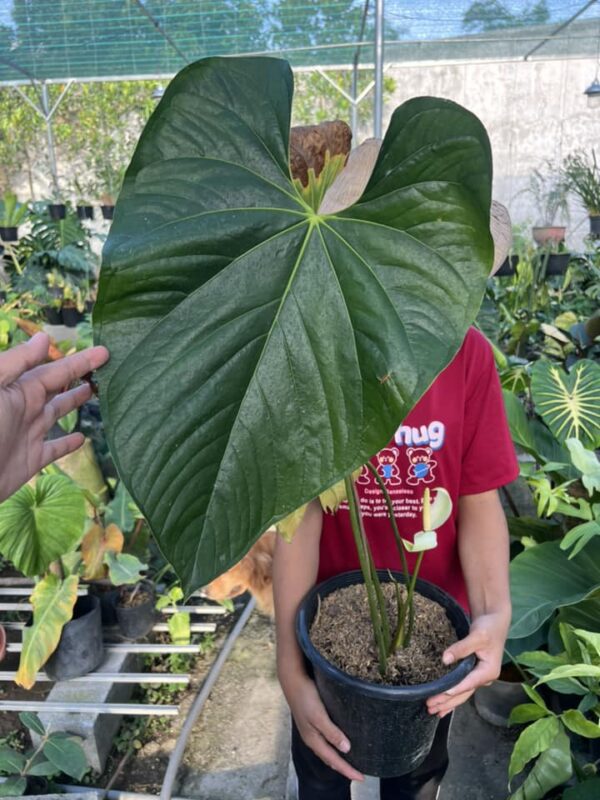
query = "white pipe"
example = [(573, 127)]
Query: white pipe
[(130, 709)]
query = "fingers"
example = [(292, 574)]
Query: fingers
[(60, 447), (329, 755), (448, 704), (465, 647), (23, 357), (58, 374), (64, 403), (484, 673)]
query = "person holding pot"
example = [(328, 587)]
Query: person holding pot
[(456, 437)]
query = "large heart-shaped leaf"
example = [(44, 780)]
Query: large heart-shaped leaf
[(261, 350), (38, 524), (543, 578), (53, 601), (569, 402)]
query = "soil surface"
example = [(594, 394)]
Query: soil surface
[(343, 634), (130, 598)]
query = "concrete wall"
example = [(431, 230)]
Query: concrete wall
[(532, 112)]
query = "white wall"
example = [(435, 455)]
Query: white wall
[(533, 111)]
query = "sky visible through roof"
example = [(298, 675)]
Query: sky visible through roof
[(94, 38)]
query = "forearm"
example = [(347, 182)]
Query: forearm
[(295, 567), (483, 544)]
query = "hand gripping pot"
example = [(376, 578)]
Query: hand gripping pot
[(389, 727)]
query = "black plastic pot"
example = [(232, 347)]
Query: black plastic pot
[(71, 317), (557, 263), (389, 726), (507, 267), (80, 649), (138, 621), (52, 316), (10, 234), (107, 211), (108, 597), (57, 210), (85, 212), (595, 225)]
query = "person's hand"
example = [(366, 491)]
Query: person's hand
[(316, 728), (486, 640), (33, 396)]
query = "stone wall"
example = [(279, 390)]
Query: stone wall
[(533, 111)]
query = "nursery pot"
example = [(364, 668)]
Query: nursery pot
[(548, 234), (57, 210), (507, 267), (107, 211), (10, 234), (70, 316), (52, 315), (389, 727), (108, 597), (80, 649), (495, 702), (138, 621), (557, 263), (85, 212), (595, 224)]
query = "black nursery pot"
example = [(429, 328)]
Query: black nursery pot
[(389, 727), (10, 234), (57, 210), (107, 211), (71, 317), (138, 621), (108, 598), (595, 225), (80, 649), (85, 212)]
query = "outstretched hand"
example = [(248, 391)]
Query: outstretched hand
[(33, 396), (485, 640)]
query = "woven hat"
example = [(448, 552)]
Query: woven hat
[(351, 182)]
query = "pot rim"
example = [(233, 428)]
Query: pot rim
[(419, 691)]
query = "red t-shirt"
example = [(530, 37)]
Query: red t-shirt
[(456, 437)]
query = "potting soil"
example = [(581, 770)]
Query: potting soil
[(343, 634)]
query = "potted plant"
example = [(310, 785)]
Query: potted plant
[(235, 428), (83, 191), (582, 176), (54, 754), (57, 209), (549, 192), (12, 214)]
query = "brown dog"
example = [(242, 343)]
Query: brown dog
[(254, 574)]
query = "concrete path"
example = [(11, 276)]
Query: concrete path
[(239, 749)]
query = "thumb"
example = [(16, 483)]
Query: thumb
[(461, 649)]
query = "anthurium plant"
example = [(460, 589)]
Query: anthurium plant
[(262, 349)]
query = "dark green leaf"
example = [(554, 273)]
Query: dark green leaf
[(67, 756), (13, 787), (589, 701), (260, 351), (11, 760), (541, 530), (119, 510), (32, 721), (535, 696), (543, 579), (588, 790), (45, 768)]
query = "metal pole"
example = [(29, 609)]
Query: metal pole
[(50, 138), (354, 117), (378, 105)]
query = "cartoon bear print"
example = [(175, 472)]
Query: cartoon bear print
[(421, 465), (364, 479), (387, 467)]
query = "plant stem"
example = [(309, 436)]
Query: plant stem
[(369, 578), (409, 600), (392, 518)]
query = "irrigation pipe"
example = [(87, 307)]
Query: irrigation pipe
[(193, 714), (198, 704)]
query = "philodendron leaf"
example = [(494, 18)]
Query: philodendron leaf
[(67, 755), (11, 760), (568, 402), (543, 578), (260, 350), (14, 786), (123, 568), (586, 461), (38, 524), (53, 601)]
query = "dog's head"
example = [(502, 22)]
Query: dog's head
[(252, 574)]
